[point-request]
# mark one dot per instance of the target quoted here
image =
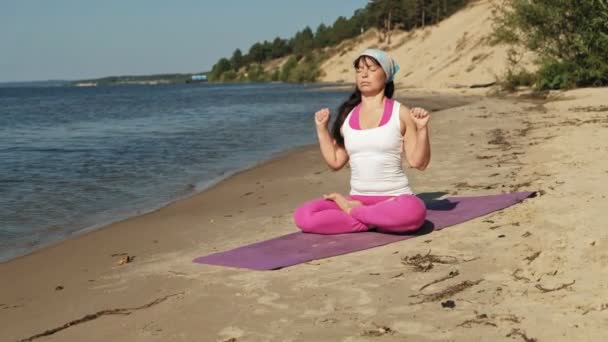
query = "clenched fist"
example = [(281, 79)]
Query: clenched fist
[(322, 117), (420, 117)]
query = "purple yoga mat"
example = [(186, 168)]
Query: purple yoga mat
[(300, 247)]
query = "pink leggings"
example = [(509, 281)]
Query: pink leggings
[(390, 214)]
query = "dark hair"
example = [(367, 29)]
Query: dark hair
[(353, 100)]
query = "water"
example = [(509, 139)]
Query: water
[(75, 158)]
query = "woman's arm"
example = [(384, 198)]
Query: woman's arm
[(416, 142), (335, 156)]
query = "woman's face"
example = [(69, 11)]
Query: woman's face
[(370, 76)]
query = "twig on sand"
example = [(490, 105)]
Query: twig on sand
[(448, 292), (90, 317), (532, 257), (601, 308), (468, 323), (516, 275), (562, 286), (424, 263), (522, 334), (452, 274), (379, 331), (510, 318), (484, 319), (481, 319)]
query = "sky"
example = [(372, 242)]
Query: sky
[(77, 39)]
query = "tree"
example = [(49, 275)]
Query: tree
[(257, 53), (219, 68), (303, 42), (391, 14), (362, 20), (344, 29), (279, 48), (322, 37), (237, 59), (569, 36)]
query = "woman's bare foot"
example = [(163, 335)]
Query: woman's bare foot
[(342, 202)]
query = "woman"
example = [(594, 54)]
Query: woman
[(371, 131)]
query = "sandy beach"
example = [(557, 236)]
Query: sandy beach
[(532, 272)]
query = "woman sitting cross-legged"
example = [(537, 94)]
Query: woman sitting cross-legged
[(371, 132)]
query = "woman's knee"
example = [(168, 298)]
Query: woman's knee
[(319, 219), (412, 215), (412, 225), (301, 217)]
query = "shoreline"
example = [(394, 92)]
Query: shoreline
[(141, 212)]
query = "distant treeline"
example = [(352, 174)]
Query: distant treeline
[(160, 78), (303, 64)]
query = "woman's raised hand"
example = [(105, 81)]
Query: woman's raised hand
[(420, 117), (322, 117)]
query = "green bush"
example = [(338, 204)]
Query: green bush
[(276, 75), (228, 76), (569, 36), (557, 75), (514, 79), (307, 70), (256, 73), (291, 64)]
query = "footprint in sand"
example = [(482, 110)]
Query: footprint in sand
[(421, 329), (117, 286), (151, 329), (269, 298), (324, 311), (364, 297)]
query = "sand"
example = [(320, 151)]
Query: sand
[(532, 271)]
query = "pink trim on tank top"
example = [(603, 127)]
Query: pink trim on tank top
[(386, 115)]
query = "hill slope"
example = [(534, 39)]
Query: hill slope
[(452, 54)]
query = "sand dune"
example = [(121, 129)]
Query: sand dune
[(452, 54)]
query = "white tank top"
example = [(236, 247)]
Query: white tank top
[(375, 154)]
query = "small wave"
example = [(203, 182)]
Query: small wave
[(11, 180), (46, 150)]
